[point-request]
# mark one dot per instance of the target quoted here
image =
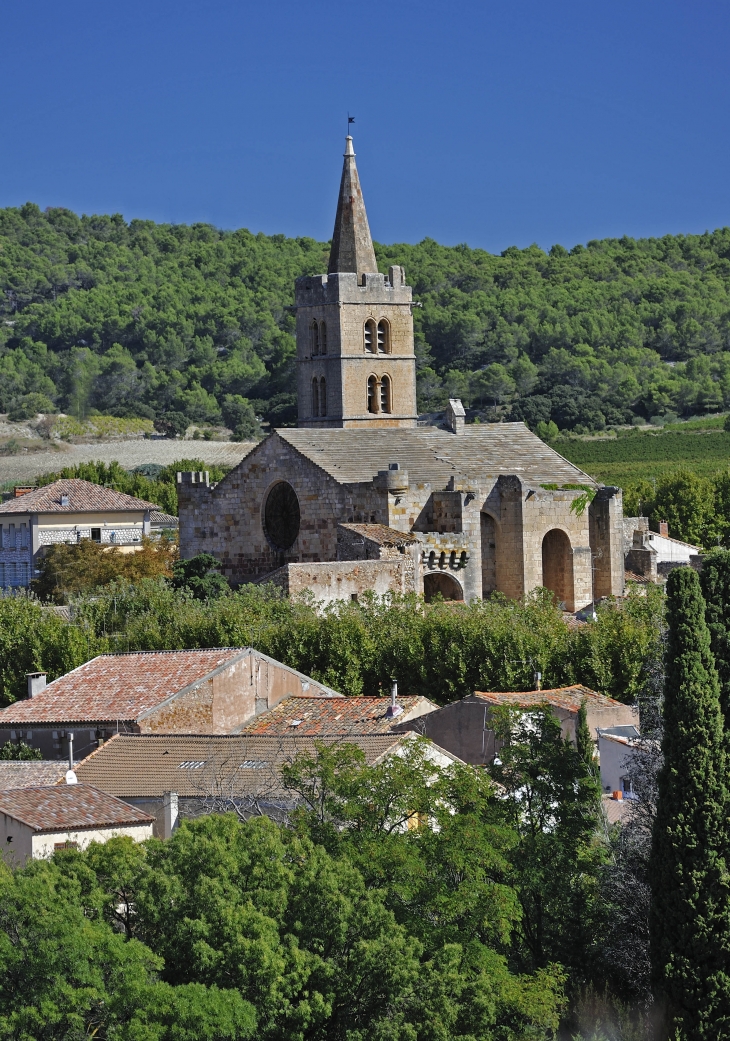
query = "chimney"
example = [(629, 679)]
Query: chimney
[(664, 528), (618, 796), (455, 416), (169, 814), (394, 709), (17, 492), (64, 500), (36, 682), (71, 750)]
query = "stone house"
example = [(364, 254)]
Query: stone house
[(205, 691), (66, 511), (652, 554), (173, 776), (464, 727), (35, 822), (491, 506)]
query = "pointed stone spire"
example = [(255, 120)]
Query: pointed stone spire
[(352, 247)]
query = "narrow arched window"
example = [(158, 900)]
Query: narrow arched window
[(322, 337), (314, 338), (383, 337), (452, 559), (322, 397), (371, 334), (315, 396), (431, 559), (385, 395), (372, 394)]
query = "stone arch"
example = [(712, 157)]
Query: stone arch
[(441, 582), (489, 533), (557, 567), (371, 336), (386, 394), (383, 335)]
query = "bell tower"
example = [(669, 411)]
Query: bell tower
[(356, 365)]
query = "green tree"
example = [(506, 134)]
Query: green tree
[(553, 801), (690, 913), (583, 739), (19, 751), (715, 584), (240, 416), (686, 502), (201, 576), (172, 424)]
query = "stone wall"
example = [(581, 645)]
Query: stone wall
[(348, 579)]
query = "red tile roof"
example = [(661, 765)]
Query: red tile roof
[(136, 766), (316, 717), (83, 497), (563, 697), (30, 773), (382, 534), (118, 686), (63, 806)]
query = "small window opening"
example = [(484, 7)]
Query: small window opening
[(431, 559), (315, 396), (322, 397), (370, 336), (322, 337), (314, 337), (385, 402), (96, 534), (442, 560), (383, 337), (452, 559), (372, 394)]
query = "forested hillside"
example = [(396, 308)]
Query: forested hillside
[(140, 319)]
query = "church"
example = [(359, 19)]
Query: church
[(360, 496)]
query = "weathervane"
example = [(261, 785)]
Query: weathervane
[(350, 119)]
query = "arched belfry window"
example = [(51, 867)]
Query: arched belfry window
[(322, 397), (322, 337), (371, 336), (315, 396), (372, 394), (314, 338), (383, 334), (386, 404)]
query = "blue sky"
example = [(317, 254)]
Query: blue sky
[(494, 124)]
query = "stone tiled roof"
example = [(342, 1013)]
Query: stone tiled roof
[(316, 717), (617, 811), (382, 534), (64, 806), (118, 686), (30, 774), (562, 697), (83, 497), (163, 520), (148, 765), (431, 454)]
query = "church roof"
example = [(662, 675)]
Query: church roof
[(433, 455), (352, 246)]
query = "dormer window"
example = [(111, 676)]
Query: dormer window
[(371, 335)]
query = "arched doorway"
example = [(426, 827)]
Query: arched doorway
[(441, 582), (489, 554), (557, 567)]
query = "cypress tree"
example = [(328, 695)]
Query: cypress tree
[(583, 740), (688, 923), (715, 583)]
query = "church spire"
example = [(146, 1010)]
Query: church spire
[(352, 247)]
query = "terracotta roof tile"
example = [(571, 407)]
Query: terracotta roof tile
[(563, 697), (317, 717), (83, 496), (148, 765), (382, 534), (30, 774), (118, 686), (63, 806)]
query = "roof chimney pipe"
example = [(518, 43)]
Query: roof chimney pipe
[(394, 709), (36, 682)]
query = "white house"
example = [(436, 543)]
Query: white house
[(614, 749), (35, 822)]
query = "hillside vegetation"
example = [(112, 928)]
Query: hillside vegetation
[(139, 319)]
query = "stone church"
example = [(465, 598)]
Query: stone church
[(361, 497)]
